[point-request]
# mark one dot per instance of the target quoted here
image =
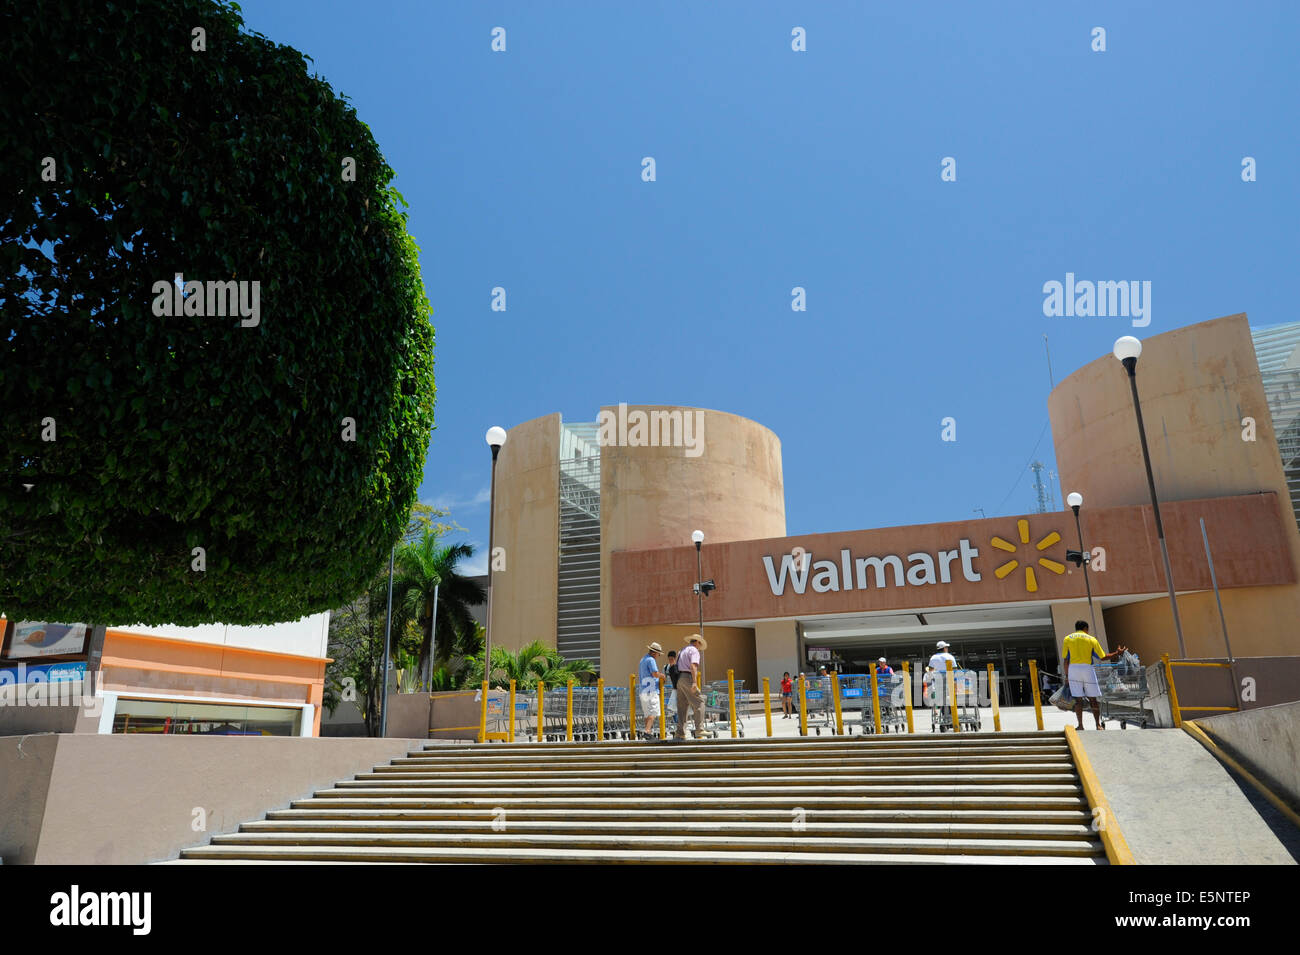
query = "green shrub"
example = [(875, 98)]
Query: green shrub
[(178, 432)]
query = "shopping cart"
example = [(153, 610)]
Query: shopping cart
[(717, 708), (526, 716), (496, 711), (893, 708), (1123, 691), (821, 703), (855, 698), (584, 713), (616, 713), (555, 724), (967, 702)]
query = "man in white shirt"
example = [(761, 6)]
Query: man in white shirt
[(690, 698), (939, 673), (941, 657)]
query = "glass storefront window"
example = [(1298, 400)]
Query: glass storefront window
[(204, 719)]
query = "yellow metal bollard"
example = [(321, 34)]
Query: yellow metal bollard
[(907, 693), (663, 726), (1173, 692), (1033, 685), (482, 724), (993, 695), (839, 713), (600, 709), (568, 719), (731, 700), (952, 697), (541, 709), (803, 708), (875, 700), (631, 705), (767, 707), (510, 723)]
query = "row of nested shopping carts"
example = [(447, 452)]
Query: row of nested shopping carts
[(857, 708), (614, 719), (856, 705)]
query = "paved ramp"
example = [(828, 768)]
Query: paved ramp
[(1177, 804)]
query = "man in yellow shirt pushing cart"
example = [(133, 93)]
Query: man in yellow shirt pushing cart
[(1081, 650)]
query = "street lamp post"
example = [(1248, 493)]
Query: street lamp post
[(495, 438), (698, 538), (1075, 500), (1127, 350)]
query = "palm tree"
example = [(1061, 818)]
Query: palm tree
[(531, 663), (426, 567)]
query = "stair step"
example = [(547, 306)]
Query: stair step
[(462, 816), (865, 797), (678, 841), (808, 745), (1039, 783), (663, 755), (705, 828), (546, 774), (462, 854)]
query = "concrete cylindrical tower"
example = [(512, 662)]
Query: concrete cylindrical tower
[(726, 482)]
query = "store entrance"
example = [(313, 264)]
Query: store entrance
[(1010, 658), (1008, 638)]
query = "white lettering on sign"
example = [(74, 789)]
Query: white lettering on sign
[(885, 570)]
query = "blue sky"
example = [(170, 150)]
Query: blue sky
[(818, 169)]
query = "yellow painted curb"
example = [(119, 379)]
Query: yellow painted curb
[(1117, 850), (1202, 736)]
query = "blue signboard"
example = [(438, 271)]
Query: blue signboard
[(42, 673)]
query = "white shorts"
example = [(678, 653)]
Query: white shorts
[(1083, 681), (650, 703)]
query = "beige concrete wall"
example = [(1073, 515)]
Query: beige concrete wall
[(457, 709), (1266, 741), (49, 708), (1146, 626), (408, 715), (132, 799), (656, 496), (729, 648), (26, 763), (1064, 616), (524, 605), (1196, 385), (776, 648)]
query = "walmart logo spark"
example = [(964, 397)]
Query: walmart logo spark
[(1031, 580)]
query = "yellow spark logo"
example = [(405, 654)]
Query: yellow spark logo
[(1031, 581)]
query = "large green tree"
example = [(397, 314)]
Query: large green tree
[(143, 139)]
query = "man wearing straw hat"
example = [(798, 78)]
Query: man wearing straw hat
[(689, 696), (648, 679)]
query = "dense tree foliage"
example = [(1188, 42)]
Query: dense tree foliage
[(281, 429)]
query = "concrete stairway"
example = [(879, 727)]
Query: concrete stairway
[(987, 798)]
